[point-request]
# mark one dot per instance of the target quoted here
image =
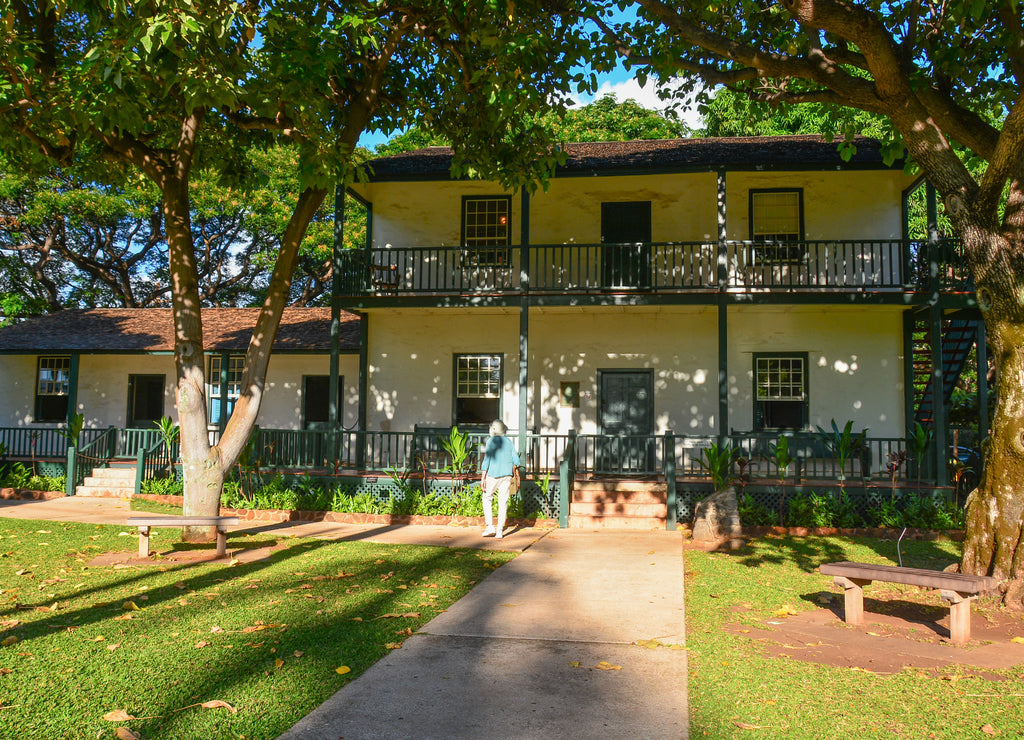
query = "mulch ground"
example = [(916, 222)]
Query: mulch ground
[(901, 630)]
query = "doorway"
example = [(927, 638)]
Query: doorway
[(626, 236), (145, 400), (626, 421)]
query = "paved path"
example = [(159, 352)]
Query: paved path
[(517, 656)]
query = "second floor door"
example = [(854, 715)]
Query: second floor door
[(626, 236)]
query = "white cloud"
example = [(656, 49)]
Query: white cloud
[(646, 96)]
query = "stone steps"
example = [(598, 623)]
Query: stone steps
[(113, 482), (619, 504)]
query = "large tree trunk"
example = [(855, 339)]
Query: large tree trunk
[(993, 543)]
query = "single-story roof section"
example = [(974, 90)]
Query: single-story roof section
[(124, 330), (661, 155)]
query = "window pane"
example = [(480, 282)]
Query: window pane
[(486, 222), (776, 216), (478, 376)]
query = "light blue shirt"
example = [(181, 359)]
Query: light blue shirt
[(500, 457)]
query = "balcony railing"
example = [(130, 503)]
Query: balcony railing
[(659, 267)]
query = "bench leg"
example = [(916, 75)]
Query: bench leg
[(143, 542), (959, 616), (853, 589), (222, 542)]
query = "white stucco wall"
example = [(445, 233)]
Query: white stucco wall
[(103, 387), (837, 205), (854, 356)]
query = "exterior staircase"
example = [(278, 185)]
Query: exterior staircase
[(958, 339), (117, 481), (619, 504)]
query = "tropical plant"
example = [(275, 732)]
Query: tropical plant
[(919, 444), (459, 449), (74, 430), (782, 460), (719, 461), (842, 444), (169, 433)]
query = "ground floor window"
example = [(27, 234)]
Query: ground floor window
[(53, 387), (478, 381), (232, 390), (781, 393), (316, 399)]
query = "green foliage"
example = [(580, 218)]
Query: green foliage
[(781, 456), (754, 514), (169, 486), (74, 429), (719, 463), (17, 475), (842, 444), (169, 432)]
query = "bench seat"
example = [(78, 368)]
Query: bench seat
[(956, 588), (145, 523)]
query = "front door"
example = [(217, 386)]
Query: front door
[(145, 400), (626, 234), (626, 418)]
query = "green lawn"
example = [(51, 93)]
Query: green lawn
[(266, 640), (737, 691)]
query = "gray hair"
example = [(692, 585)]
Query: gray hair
[(498, 428)]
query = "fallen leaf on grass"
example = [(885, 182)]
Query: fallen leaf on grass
[(746, 726), (218, 704), (130, 606), (786, 610), (216, 630), (118, 715), (123, 733), (278, 663), (604, 665), (113, 647), (202, 644), (989, 730), (1017, 639), (393, 645), (9, 640), (342, 670), (396, 615)]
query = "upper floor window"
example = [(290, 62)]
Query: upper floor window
[(53, 387), (231, 392), (477, 388), (781, 393), (777, 222), (487, 229)]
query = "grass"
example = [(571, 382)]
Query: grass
[(154, 507), (157, 642), (738, 691)]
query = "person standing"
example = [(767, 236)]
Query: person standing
[(500, 461)]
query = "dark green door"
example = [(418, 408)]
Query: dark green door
[(145, 400), (626, 236), (626, 418)]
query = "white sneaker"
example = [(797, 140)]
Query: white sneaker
[(488, 532), (497, 535)]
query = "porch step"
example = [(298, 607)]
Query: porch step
[(619, 504), (113, 482)]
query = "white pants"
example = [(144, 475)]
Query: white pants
[(502, 485)]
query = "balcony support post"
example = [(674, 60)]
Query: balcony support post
[(938, 395), (73, 373), (336, 268), (982, 354), (723, 315), (364, 381), (524, 318), (909, 321)]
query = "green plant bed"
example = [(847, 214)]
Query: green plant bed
[(266, 637)]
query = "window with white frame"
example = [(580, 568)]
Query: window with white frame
[(781, 391), (233, 389), (486, 230), (776, 223), (478, 380), (53, 388)]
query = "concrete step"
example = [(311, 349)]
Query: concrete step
[(619, 510), (592, 496), (116, 473), (616, 522), (105, 491), (621, 485)]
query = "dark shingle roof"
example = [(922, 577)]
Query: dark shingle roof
[(152, 330), (611, 157)]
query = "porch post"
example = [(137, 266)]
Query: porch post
[(982, 356), (524, 319), (723, 316), (73, 390), (222, 400), (334, 412)]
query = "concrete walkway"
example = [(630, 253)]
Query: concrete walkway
[(568, 640)]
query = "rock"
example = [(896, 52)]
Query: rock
[(717, 517)]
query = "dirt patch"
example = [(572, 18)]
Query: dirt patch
[(897, 634)]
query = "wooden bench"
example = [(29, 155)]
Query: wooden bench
[(144, 523), (956, 588)]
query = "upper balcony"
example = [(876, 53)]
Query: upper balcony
[(899, 271)]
